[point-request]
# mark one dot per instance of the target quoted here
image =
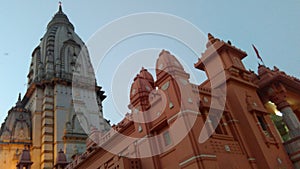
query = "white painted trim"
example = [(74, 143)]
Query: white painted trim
[(251, 159), (233, 120), (198, 156)]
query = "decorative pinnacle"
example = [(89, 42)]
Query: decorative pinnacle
[(210, 37), (59, 7), (19, 98), (18, 104), (211, 40)]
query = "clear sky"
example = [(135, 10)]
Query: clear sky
[(273, 26)]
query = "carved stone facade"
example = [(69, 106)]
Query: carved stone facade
[(50, 116)]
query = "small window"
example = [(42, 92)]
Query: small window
[(264, 126), (262, 122), (167, 138), (220, 128)]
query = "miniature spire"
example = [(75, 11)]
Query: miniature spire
[(210, 37), (25, 160), (211, 40), (61, 160)]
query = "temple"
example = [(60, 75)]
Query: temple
[(235, 119), (46, 119)]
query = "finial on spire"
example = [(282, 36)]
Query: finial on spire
[(19, 103), (60, 8), (19, 98)]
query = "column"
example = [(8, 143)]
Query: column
[(291, 120), (47, 132)]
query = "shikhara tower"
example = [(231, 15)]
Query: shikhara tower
[(49, 116)]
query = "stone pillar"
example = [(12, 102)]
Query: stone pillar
[(291, 120), (278, 97)]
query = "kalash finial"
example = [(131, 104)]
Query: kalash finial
[(19, 98), (59, 7), (19, 102)]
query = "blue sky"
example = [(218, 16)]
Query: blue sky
[(273, 26)]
